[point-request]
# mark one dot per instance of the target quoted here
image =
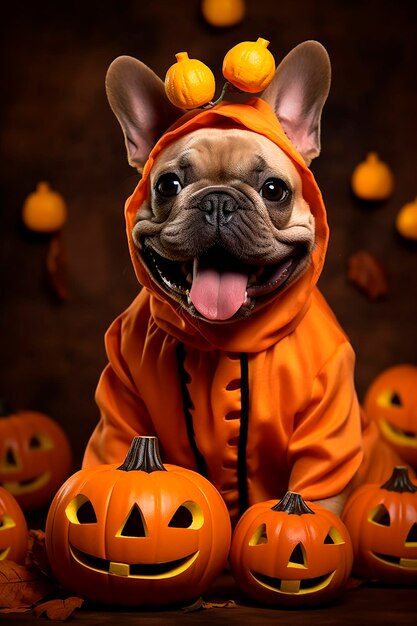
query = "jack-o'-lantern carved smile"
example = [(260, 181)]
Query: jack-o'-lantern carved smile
[(134, 570), (308, 585), (20, 487), (398, 435)]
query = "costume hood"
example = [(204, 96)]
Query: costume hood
[(277, 317)]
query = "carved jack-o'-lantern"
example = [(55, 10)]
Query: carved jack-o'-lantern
[(139, 534), (35, 457), (391, 401), (13, 529), (382, 522), (290, 553)]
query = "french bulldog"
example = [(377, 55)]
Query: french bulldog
[(225, 224), (229, 350)]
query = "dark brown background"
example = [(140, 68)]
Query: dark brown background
[(57, 126)]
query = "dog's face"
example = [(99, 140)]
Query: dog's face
[(225, 225)]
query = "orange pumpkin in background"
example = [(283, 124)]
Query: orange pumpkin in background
[(13, 529), (139, 534), (35, 457), (44, 210), (372, 179), (391, 401), (223, 13), (292, 553), (382, 522)]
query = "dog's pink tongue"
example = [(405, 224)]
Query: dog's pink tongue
[(218, 295)]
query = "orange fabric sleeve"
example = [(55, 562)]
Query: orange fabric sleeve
[(123, 413), (325, 450)]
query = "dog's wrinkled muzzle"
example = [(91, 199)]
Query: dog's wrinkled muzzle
[(219, 207)]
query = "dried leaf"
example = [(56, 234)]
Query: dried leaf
[(21, 586), (57, 267), (36, 555), (58, 609), (354, 583), (195, 606), (227, 604), (368, 274), (200, 605)]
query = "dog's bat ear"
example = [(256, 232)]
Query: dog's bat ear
[(137, 97), (297, 94)]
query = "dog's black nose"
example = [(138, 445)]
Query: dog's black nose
[(218, 207)]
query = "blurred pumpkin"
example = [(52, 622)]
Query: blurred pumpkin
[(290, 553), (13, 529), (391, 401), (249, 65), (406, 220), (138, 534), (44, 210), (35, 457), (223, 13), (382, 523), (189, 83), (372, 179)]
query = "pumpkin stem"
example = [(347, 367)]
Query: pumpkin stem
[(5, 409), (226, 87), (143, 456), (182, 56), (399, 481), (263, 42), (293, 504)]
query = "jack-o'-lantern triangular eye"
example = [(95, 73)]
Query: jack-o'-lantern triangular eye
[(380, 515), (134, 525), (333, 537), (412, 535), (298, 557), (81, 511), (10, 457), (259, 537), (40, 441), (389, 398), (188, 515), (395, 399)]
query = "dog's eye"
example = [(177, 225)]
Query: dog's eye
[(168, 185), (275, 190)]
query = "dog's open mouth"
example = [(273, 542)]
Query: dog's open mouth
[(217, 284)]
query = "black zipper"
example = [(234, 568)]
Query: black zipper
[(187, 405), (244, 423)]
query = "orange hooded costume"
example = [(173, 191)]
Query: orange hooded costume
[(258, 405)]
